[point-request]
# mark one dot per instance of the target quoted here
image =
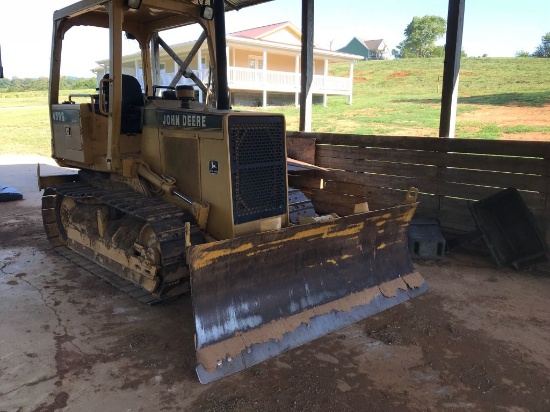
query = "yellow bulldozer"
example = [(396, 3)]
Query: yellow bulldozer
[(176, 193)]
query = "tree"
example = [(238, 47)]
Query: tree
[(67, 83), (522, 53), (420, 37), (543, 50)]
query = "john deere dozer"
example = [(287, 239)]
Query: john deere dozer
[(177, 192)]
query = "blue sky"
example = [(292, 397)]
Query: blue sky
[(495, 27)]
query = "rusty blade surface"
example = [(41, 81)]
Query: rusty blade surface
[(259, 295)]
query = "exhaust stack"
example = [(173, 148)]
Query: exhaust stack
[(221, 57)]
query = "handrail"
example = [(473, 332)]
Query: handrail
[(102, 102), (91, 96)]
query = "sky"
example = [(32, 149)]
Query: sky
[(498, 28)]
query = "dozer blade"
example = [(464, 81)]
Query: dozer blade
[(257, 296)]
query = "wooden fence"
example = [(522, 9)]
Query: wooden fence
[(448, 173)]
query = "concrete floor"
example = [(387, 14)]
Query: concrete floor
[(69, 341)]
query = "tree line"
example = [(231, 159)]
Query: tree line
[(542, 50), (422, 33), (16, 84)]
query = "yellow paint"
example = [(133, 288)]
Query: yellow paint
[(324, 232), (332, 261), (346, 256), (381, 231), (264, 250), (351, 230), (141, 272), (206, 258), (407, 215)]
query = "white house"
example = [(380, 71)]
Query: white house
[(263, 66)]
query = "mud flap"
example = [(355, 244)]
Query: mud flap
[(257, 296)]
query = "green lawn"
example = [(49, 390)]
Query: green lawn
[(392, 97), (24, 122), (25, 130)]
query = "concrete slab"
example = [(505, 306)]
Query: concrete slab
[(478, 340), (61, 327)]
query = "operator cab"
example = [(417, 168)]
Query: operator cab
[(99, 130)]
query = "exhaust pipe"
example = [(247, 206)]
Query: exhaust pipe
[(1, 68), (221, 57)]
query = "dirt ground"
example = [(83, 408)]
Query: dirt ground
[(478, 340), (513, 115)]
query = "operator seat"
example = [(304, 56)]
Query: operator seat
[(132, 104)]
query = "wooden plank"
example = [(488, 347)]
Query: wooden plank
[(382, 154), (534, 200), (377, 195), (301, 149), (392, 142), (299, 181), (383, 181), (494, 179), (470, 192), (436, 144), (454, 216), (527, 165), (451, 204), (342, 205), (452, 170), (337, 186), (384, 168)]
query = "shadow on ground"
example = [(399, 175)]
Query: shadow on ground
[(529, 99)]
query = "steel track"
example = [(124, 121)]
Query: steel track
[(166, 220)]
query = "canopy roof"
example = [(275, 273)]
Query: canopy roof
[(152, 14)]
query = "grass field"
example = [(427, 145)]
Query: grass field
[(402, 97), (498, 98), (24, 122)]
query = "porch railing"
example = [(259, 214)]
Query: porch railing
[(250, 79), (241, 78)]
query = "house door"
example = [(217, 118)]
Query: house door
[(257, 64)]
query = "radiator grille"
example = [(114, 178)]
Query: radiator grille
[(258, 167)]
